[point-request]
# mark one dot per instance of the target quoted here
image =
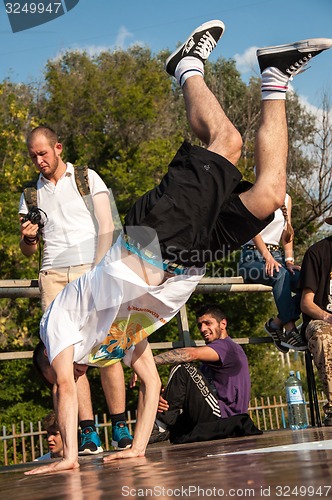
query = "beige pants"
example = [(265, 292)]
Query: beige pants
[(52, 281), (319, 336)]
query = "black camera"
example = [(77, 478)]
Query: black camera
[(34, 216)]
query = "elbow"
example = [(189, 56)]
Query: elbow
[(156, 382), (191, 354), (106, 228), (153, 383)]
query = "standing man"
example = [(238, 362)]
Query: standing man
[(196, 403), (110, 311), (316, 306), (75, 239)]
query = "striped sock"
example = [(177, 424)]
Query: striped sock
[(187, 67), (274, 84)]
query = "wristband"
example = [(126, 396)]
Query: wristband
[(289, 259), (31, 241)]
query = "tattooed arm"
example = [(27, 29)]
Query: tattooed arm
[(186, 355), (174, 357)]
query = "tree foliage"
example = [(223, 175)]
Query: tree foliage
[(122, 115)]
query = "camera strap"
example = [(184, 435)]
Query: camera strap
[(82, 184)]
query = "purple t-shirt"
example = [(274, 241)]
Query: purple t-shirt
[(231, 377)]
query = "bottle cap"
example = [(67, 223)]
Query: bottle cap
[(292, 373)]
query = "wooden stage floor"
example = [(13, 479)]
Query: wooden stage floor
[(277, 464)]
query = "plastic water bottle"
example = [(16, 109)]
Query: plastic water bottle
[(297, 411)]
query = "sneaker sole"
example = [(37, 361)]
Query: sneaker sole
[(89, 452), (115, 445), (314, 44), (204, 26), (294, 347)]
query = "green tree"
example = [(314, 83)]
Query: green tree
[(122, 115)]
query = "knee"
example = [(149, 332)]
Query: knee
[(275, 195), (227, 143), (237, 147), (278, 196), (234, 146), (282, 275)]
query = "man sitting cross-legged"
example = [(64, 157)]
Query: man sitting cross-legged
[(209, 402)]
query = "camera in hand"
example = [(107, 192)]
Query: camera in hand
[(34, 216)]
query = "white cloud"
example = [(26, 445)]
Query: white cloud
[(121, 43), (247, 62), (122, 37)]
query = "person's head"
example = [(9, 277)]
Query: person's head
[(45, 370), (44, 150), (54, 440), (42, 365), (212, 322)]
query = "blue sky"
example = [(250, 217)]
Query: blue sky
[(96, 25)]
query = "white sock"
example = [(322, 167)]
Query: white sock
[(187, 67), (274, 84)]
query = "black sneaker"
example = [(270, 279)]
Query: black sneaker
[(277, 335), (157, 436), (292, 57), (294, 340), (200, 44)]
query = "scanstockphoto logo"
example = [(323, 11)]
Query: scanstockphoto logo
[(24, 15)]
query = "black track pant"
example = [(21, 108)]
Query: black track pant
[(194, 413)]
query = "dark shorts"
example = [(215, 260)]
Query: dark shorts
[(196, 210)]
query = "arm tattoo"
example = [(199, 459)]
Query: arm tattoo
[(173, 357)]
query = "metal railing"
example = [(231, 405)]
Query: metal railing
[(28, 442), (25, 445), (29, 289)]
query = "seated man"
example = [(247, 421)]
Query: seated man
[(196, 402), (139, 286), (316, 306), (54, 440)]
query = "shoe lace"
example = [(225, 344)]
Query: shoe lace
[(121, 430), (205, 46), (86, 435), (298, 66), (297, 336)]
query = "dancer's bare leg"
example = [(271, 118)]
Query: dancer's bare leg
[(277, 64), (209, 122), (271, 150), (205, 115)]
